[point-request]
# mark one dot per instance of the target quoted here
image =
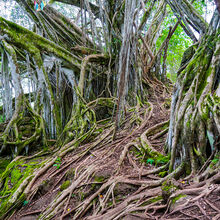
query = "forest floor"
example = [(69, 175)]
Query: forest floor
[(112, 179)]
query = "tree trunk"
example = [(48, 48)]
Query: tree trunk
[(194, 126)]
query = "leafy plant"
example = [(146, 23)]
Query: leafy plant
[(57, 163), (215, 160), (150, 161), (2, 118), (25, 203)]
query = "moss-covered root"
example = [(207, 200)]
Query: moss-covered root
[(25, 127), (81, 125), (150, 151), (14, 182)]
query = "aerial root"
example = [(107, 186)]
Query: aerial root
[(80, 209), (13, 137)]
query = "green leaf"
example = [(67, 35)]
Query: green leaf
[(25, 202), (58, 159), (55, 165), (215, 161), (150, 161)]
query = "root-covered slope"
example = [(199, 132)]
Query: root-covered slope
[(106, 178)]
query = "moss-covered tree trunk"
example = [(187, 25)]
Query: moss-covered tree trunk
[(194, 128)]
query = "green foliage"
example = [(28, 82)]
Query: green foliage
[(157, 159), (16, 14), (204, 7), (177, 45), (2, 118), (25, 202), (177, 198), (150, 161), (57, 163), (215, 161)]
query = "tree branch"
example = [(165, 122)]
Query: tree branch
[(94, 8)]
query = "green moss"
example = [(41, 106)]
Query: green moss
[(65, 185), (162, 174), (148, 156), (177, 198), (11, 179), (167, 187), (215, 161), (3, 164), (99, 179), (167, 103), (187, 169), (160, 160), (153, 200), (81, 195), (15, 175), (109, 204)]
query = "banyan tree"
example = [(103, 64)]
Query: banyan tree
[(85, 105)]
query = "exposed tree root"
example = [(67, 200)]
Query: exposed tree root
[(107, 180)]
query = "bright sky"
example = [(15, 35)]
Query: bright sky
[(5, 8)]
